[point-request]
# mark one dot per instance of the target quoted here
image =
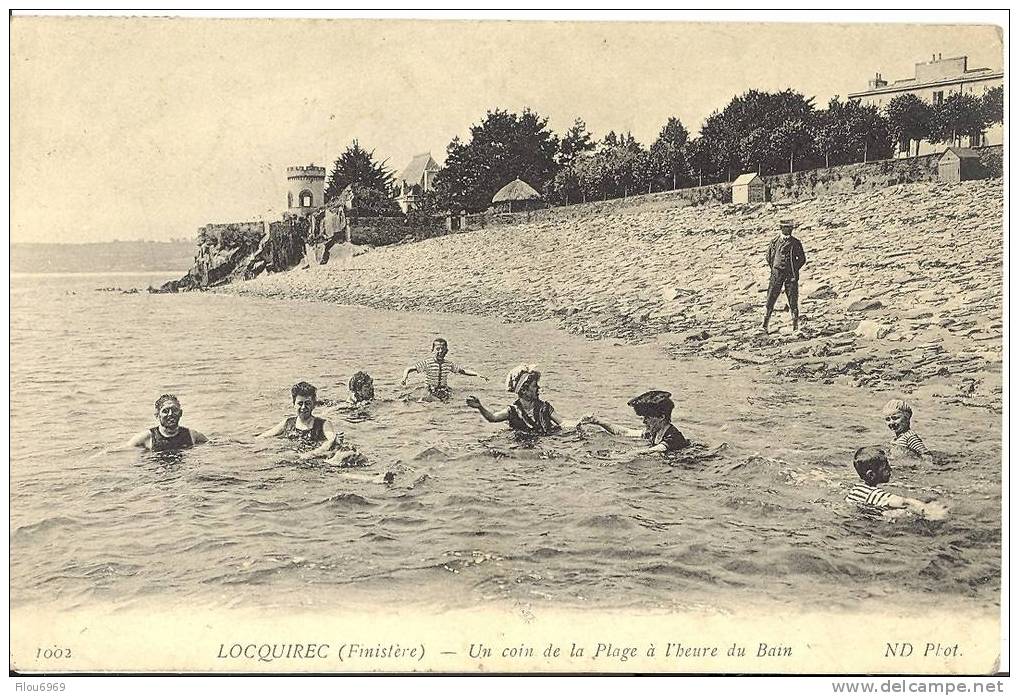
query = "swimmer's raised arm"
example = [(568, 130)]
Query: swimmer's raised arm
[(142, 439), (471, 373), (274, 431), (497, 417), (196, 437), (610, 428)]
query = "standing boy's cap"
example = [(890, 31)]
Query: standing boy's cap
[(651, 402), (787, 222)]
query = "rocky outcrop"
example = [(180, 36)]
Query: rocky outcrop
[(902, 288), (287, 243)]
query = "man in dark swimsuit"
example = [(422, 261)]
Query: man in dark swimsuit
[(168, 435)]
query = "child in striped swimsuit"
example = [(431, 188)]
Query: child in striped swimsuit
[(871, 463), (437, 369), (897, 414)]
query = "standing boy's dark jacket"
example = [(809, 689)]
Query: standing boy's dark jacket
[(786, 257)]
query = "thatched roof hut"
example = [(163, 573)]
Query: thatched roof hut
[(515, 196)]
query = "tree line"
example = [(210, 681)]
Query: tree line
[(764, 132)]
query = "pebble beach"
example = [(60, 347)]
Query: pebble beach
[(902, 290)]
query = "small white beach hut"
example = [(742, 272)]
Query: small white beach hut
[(748, 188)]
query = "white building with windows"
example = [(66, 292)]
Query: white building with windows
[(934, 82)]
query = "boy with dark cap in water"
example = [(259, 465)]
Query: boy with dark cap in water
[(871, 463), (655, 407)]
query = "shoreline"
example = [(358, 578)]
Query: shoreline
[(924, 319)]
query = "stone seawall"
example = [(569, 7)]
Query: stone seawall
[(812, 183), (902, 290)]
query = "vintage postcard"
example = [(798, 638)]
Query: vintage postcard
[(434, 345)]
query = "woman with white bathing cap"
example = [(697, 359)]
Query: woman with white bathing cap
[(528, 414)]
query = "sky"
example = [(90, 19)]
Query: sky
[(148, 128)]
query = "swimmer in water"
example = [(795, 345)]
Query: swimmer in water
[(436, 369), (528, 414), (871, 464), (306, 428), (168, 435), (898, 414), (361, 393), (655, 408), (362, 389)]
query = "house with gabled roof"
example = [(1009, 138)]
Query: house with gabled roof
[(415, 179)]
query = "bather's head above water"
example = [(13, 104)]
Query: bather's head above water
[(362, 387), (522, 380), (439, 349), (654, 407), (897, 414), (305, 399), (168, 412), (871, 463)]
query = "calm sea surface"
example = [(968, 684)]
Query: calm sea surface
[(474, 515)]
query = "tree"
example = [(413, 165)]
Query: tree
[(357, 166), (699, 158), (564, 187), (646, 171), (503, 147), (959, 115), (619, 170), (576, 141), (766, 132), (870, 132), (848, 132), (909, 119), (614, 169), (624, 140), (668, 152), (992, 106), (793, 137), (831, 132), (371, 202)]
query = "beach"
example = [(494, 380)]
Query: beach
[(901, 291)]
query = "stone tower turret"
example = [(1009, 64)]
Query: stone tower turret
[(305, 188)]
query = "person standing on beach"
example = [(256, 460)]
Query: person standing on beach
[(168, 435), (785, 259), (437, 369)]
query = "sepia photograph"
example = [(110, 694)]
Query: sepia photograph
[(465, 345)]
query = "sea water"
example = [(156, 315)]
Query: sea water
[(473, 514)]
